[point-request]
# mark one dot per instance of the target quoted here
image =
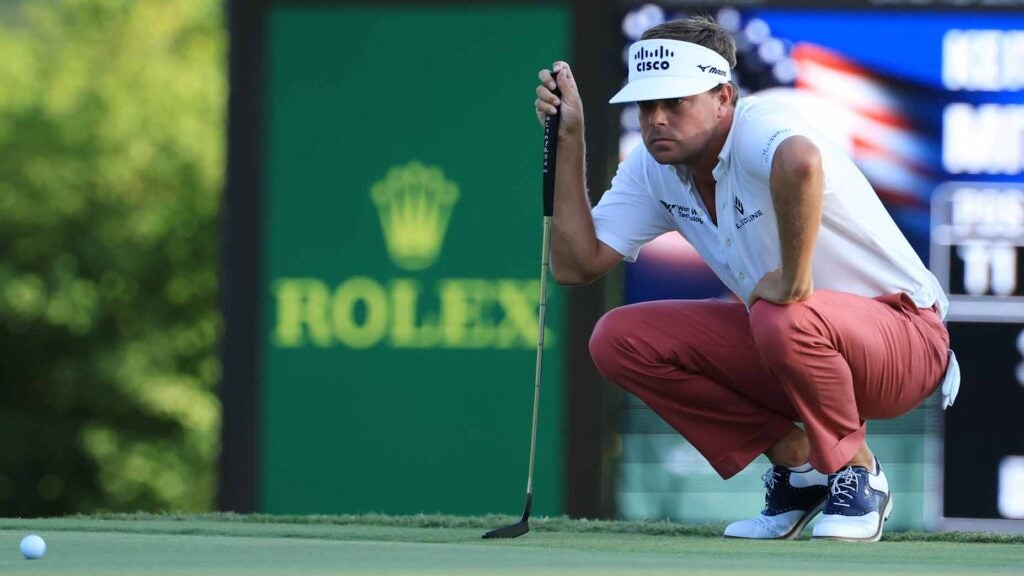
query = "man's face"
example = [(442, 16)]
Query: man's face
[(679, 130)]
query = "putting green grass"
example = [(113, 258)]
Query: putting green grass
[(383, 545)]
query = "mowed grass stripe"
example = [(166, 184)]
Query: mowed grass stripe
[(85, 553), (201, 545), (182, 523)]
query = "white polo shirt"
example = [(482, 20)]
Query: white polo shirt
[(859, 249)]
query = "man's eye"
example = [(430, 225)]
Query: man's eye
[(648, 106)]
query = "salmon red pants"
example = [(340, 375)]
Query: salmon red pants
[(733, 382)]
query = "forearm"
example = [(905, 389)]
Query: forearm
[(573, 240), (797, 185)]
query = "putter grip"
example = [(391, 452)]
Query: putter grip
[(550, 155)]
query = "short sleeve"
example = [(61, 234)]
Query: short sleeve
[(628, 215), (759, 134)]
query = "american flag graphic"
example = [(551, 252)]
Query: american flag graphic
[(886, 134)]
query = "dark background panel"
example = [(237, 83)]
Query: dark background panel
[(985, 424)]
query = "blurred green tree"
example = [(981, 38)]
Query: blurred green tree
[(111, 169)]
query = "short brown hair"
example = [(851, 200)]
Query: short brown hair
[(699, 29)]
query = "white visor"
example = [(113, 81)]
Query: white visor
[(661, 69)]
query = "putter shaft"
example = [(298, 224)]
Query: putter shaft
[(538, 373)]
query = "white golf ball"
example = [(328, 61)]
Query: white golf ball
[(33, 547)]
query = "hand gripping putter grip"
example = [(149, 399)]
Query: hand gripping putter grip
[(550, 148)]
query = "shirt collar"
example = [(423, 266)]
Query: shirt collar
[(683, 173), (725, 154)]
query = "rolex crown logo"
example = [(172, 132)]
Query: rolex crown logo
[(414, 203)]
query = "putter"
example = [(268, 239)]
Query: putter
[(550, 147)]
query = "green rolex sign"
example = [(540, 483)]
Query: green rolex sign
[(401, 236), (414, 203)]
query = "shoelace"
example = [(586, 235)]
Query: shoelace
[(770, 478), (845, 485)]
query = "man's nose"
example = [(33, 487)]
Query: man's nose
[(657, 116)]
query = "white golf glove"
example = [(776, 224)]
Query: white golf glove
[(951, 383)]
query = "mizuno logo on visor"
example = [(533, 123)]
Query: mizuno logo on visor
[(711, 70)]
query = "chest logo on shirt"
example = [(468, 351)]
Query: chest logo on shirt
[(683, 212), (743, 219)]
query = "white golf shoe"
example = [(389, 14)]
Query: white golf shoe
[(858, 505), (791, 500)]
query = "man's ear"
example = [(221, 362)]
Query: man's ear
[(723, 97)]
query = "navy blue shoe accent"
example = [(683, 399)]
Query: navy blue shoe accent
[(851, 493), (782, 496)]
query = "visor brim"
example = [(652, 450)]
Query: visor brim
[(661, 87)]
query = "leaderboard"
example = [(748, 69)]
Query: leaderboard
[(977, 247), (977, 253)]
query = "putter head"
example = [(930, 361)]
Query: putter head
[(519, 528), (510, 531)]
